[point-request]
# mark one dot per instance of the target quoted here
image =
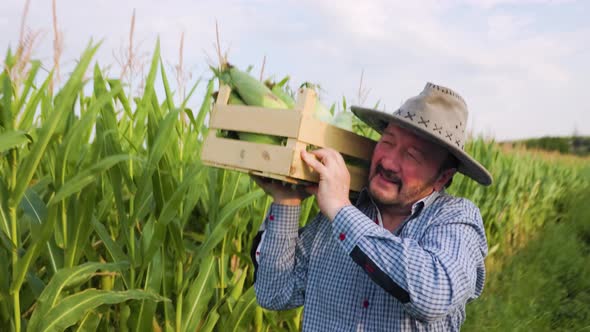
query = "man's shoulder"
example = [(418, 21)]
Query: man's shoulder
[(446, 200)]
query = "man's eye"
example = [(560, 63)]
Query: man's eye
[(414, 156)]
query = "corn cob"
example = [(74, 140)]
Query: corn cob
[(279, 91), (322, 113), (252, 92), (284, 96), (343, 120), (234, 99)]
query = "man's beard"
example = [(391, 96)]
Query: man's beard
[(405, 196)]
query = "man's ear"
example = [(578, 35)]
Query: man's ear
[(443, 178)]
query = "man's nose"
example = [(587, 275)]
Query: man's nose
[(391, 161)]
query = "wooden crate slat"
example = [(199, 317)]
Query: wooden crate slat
[(246, 155), (321, 134), (306, 99), (300, 170), (277, 122), (223, 95), (358, 177)]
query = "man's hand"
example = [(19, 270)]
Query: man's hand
[(334, 185), (282, 193)]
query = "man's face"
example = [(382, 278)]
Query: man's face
[(404, 168)]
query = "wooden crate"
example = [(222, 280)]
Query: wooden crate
[(298, 125)]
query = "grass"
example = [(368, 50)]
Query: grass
[(545, 286)]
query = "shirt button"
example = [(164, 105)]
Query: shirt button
[(365, 303), (271, 217), (342, 236)]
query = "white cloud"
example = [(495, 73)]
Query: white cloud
[(488, 4), (507, 63)]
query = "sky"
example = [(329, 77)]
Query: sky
[(522, 65)]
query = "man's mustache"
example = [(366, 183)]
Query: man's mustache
[(388, 175)]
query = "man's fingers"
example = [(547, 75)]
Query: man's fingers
[(311, 160), (328, 156)]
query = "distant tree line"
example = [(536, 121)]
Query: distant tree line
[(579, 145)]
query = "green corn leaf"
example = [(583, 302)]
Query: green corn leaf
[(169, 96), (34, 207), (116, 86), (84, 125), (64, 279), (168, 281), (175, 236), (12, 139), (244, 310), (112, 141), (153, 236), (6, 109), (162, 142), (172, 205), (199, 294), (238, 287), (80, 230), (211, 322), (222, 225), (4, 212), (33, 251), (151, 77), (28, 84), (86, 177), (73, 308), (89, 323), (153, 282), (6, 244), (205, 106), (112, 247), (28, 114), (169, 211), (68, 94), (190, 94)]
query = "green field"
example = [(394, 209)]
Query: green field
[(109, 221)]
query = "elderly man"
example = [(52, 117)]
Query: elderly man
[(406, 255)]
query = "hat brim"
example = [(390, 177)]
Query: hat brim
[(379, 120)]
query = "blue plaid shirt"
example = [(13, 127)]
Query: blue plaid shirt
[(353, 275)]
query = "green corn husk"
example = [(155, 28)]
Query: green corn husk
[(284, 96), (278, 89), (322, 113), (343, 120), (234, 99), (254, 93)]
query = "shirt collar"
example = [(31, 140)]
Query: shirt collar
[(364, 198)]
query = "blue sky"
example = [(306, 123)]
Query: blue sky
[(523, 66)]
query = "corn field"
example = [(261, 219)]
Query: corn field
[(110, 222)]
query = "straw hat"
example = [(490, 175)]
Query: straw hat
[(437, 114)]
